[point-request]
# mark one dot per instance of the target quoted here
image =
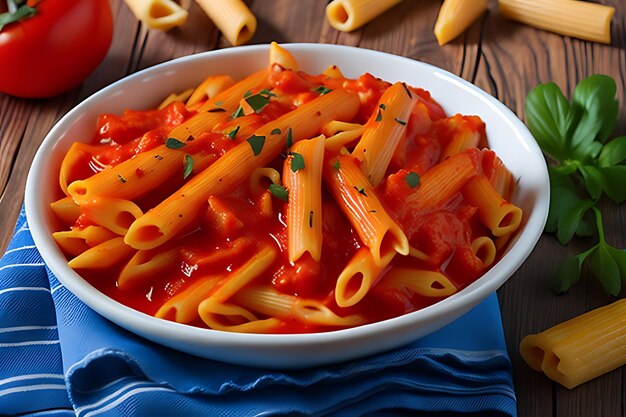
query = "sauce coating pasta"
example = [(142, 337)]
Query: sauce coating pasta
[(197, 228)]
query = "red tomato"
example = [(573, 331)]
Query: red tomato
[(56, 49)]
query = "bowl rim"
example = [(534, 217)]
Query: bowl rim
[(124, 315)]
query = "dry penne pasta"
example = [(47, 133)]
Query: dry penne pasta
[(232, 18), (348, 15), (158, 14), (579, 19), (580, 349), (455, 16)]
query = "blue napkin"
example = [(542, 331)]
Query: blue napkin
[(60, 358)]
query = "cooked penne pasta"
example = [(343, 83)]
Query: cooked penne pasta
[(158, 14), (500, 216), (184, 214), (280, 56), (268, 301), (209, 88), (341, 134), (66, 210), (357, 199), (104, 255), (455, 16), (145, 265), (348, 15), (232, 18), (304, 184), (579, 19), (183, 307), (182, 97), (384, 131), (359, 276), (580, 349), (76, 241), (426, 283), (115, 214), (177, 211)]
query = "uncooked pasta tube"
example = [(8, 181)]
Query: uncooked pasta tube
[(347, 15), (232, 18), (580, 19), (582, 348)]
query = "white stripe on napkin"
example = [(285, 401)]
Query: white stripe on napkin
[(125, 397), (19, 265), (18, 249), (26, 328), (31, 343), (31, 388), (31, 376), (23, 289)]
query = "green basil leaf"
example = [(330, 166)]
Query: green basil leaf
[(620, 258), (188, 166), (570, 218), (547, 113), (613, 153), (412, 179), (279, 192), (173, 143), (595, 103), (615, 182), (605, 269), (256, 143), (593, 179), (297, 162), (568, 273), (585, 228)]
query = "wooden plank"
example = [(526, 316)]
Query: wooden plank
[(514, 59)]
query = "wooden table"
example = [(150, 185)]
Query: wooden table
[(503, 58)]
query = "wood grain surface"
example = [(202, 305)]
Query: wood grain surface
[(504, 58)]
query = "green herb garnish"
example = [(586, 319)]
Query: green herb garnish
[(321, 90), (413, 179), (173, 143), (275, 132), (382, 106), (336, 165), (402, 122), (583, 165), (407, 90), (122, 179), (216, 110), (297, 161), (256, 143), (289, 138), (233, 133), (237, 113), (361, 190), (379, 116), (188, 166), (279, 192)]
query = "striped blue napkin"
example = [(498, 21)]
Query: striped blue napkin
[(59, 358)]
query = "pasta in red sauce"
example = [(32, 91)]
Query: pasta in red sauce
[(372, 246)]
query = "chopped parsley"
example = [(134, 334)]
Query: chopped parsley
[(382, 106), (289, 138), (237, 113), (233, 133), (256, 143), (336, 165), (121, 178), (255, 101), (413, 179), (173, 143), (322, 89), (360, 190), (407, 90), (275, 132), (379, 116), (297, 161), (279, 192), (216, 110), (402, 122), (188, 166)]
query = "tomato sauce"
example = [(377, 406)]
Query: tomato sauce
[(445, 232)]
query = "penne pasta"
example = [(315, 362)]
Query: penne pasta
[(104, 255), (341, 134), (209, 88), (500, 216), (183, 307), (115, 214), (580, 349), (232, 18), (304, 184), (280, 56), (233, 318), (455, 16), (75, 157), (425, 283), (76, 241), (66, 210), (182, 97), (579, 19), (384, 130), (161, 223), (357, 199), (484, 249), (158, 14), (145, 265), (359, 276), (348, 15)]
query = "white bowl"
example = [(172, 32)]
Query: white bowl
[(507, 135)]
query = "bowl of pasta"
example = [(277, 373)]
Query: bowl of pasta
[(287, 207)]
